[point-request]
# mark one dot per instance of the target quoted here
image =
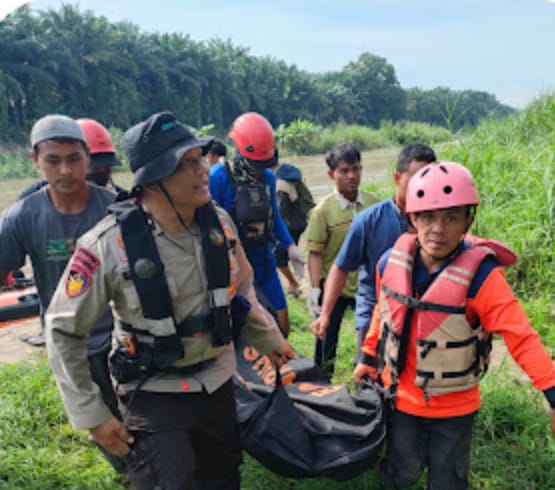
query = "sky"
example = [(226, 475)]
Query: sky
[(504, 47)]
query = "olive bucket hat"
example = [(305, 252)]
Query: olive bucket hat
[(154, 147)]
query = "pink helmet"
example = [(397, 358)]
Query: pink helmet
[(441, 185)]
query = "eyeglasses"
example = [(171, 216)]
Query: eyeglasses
[(428, 219), (195, 163)]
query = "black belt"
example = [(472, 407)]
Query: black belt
[(194, 325)]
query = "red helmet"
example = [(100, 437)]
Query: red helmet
[(441, 185), (98, 137), (99, 141), (254, 138)]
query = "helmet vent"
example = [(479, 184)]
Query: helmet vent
[(249, 148), (444, 169), (424, 172), (420, 193), (447, 189)]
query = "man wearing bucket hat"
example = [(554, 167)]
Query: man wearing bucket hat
[(441, 297), (102, 158), (171, 265)]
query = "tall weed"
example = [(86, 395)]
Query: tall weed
[(512, 446), (16, 164), (515, 175)]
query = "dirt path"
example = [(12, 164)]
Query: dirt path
[(12, 349), (500, 357)]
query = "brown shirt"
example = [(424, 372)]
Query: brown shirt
[(80, 298)]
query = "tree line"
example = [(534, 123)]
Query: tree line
[(77, 63)]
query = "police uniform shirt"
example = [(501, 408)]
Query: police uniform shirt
[(96, 275)]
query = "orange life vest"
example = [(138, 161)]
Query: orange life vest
[(452, 350)]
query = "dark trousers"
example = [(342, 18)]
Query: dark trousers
[(183, 441), (98, 365), (442, 445), (325, 350)]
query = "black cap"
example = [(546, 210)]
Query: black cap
[(154, 147), (104, 160)]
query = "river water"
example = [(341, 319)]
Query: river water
[(377, 168)]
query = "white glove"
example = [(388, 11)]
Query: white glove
[(312, 302), (296, 261)]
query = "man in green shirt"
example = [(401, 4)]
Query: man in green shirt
[(328, 225)]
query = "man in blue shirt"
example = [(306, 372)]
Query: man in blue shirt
[(246, 188), (372, 232)]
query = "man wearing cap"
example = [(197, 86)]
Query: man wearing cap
[(174, 271), (102, 158), (45, 225)]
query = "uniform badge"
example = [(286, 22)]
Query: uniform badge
[(81, 269), (216, 237)]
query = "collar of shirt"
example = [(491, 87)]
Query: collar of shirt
[(345, 203), (422, 278), (158, 231)]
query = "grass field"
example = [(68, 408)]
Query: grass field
[(39, 450)]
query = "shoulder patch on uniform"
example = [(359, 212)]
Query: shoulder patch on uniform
[(81, 269)]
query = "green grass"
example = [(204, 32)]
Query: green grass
[(38, 448), (512, 447), (512, 444)]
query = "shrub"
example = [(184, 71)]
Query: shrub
[(406, 132), (16, 164), (295, 138)]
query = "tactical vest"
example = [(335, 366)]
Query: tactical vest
[(452, 350), (252, 208), (146, 270)]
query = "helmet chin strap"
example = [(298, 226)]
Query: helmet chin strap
[(162, 187)]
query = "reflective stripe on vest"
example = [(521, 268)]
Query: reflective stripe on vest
[(450, 350)]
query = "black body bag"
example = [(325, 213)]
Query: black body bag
[(297, 424)]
